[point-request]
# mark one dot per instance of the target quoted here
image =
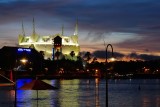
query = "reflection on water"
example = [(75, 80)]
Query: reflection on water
[(71, 93), (126, 93), (97, 92), (86, 93), (6, 98)]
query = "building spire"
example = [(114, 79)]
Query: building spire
[(76, 28), (34, 27), (34, 36), (23, 32), (62, 30)]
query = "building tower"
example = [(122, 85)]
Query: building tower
[(57, 47)]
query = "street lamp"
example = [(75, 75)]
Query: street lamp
[(112, 59)]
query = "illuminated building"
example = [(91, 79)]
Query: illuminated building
[(15, 58), (49, 45)]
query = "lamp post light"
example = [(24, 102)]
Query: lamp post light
[(24, 61)]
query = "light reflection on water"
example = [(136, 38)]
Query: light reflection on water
[(71, 93), (126, 93), (87, 93)]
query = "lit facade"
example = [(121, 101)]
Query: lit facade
[(47, 45)]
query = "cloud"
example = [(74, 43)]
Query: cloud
[(7, 42), (134, 23), (149, 43), (98, 15), (143, 56), (102, 54), (149, 57), (119, 56)]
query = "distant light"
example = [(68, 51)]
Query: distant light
[(112, 59)]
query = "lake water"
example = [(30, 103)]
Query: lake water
[(134, 93), (86, 93), (71, 93)]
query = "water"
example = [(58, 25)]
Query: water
[(87, 93), (71, 93), (134, 93)]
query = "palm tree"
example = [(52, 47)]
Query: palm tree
[(88, 55), (94, 60), (72, 54)]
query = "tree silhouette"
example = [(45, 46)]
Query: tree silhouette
[(72, 54), (94, 60), (88, 56)]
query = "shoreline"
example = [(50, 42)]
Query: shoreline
[(135, 76)]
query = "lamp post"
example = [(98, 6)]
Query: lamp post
[(112, 59)]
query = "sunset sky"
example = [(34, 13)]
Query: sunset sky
[(131, 26)]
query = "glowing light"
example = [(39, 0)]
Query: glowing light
[(24, 49), (24, 60), (96, 72), (112, 59)]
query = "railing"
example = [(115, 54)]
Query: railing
[(7, 79)]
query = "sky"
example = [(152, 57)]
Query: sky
[(132, 27)]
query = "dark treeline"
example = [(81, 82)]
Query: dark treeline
[(123, 67), (120, 67), (136, 67), (11, 60), (68, 66)]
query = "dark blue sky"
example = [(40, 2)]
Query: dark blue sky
[(131, 26)]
